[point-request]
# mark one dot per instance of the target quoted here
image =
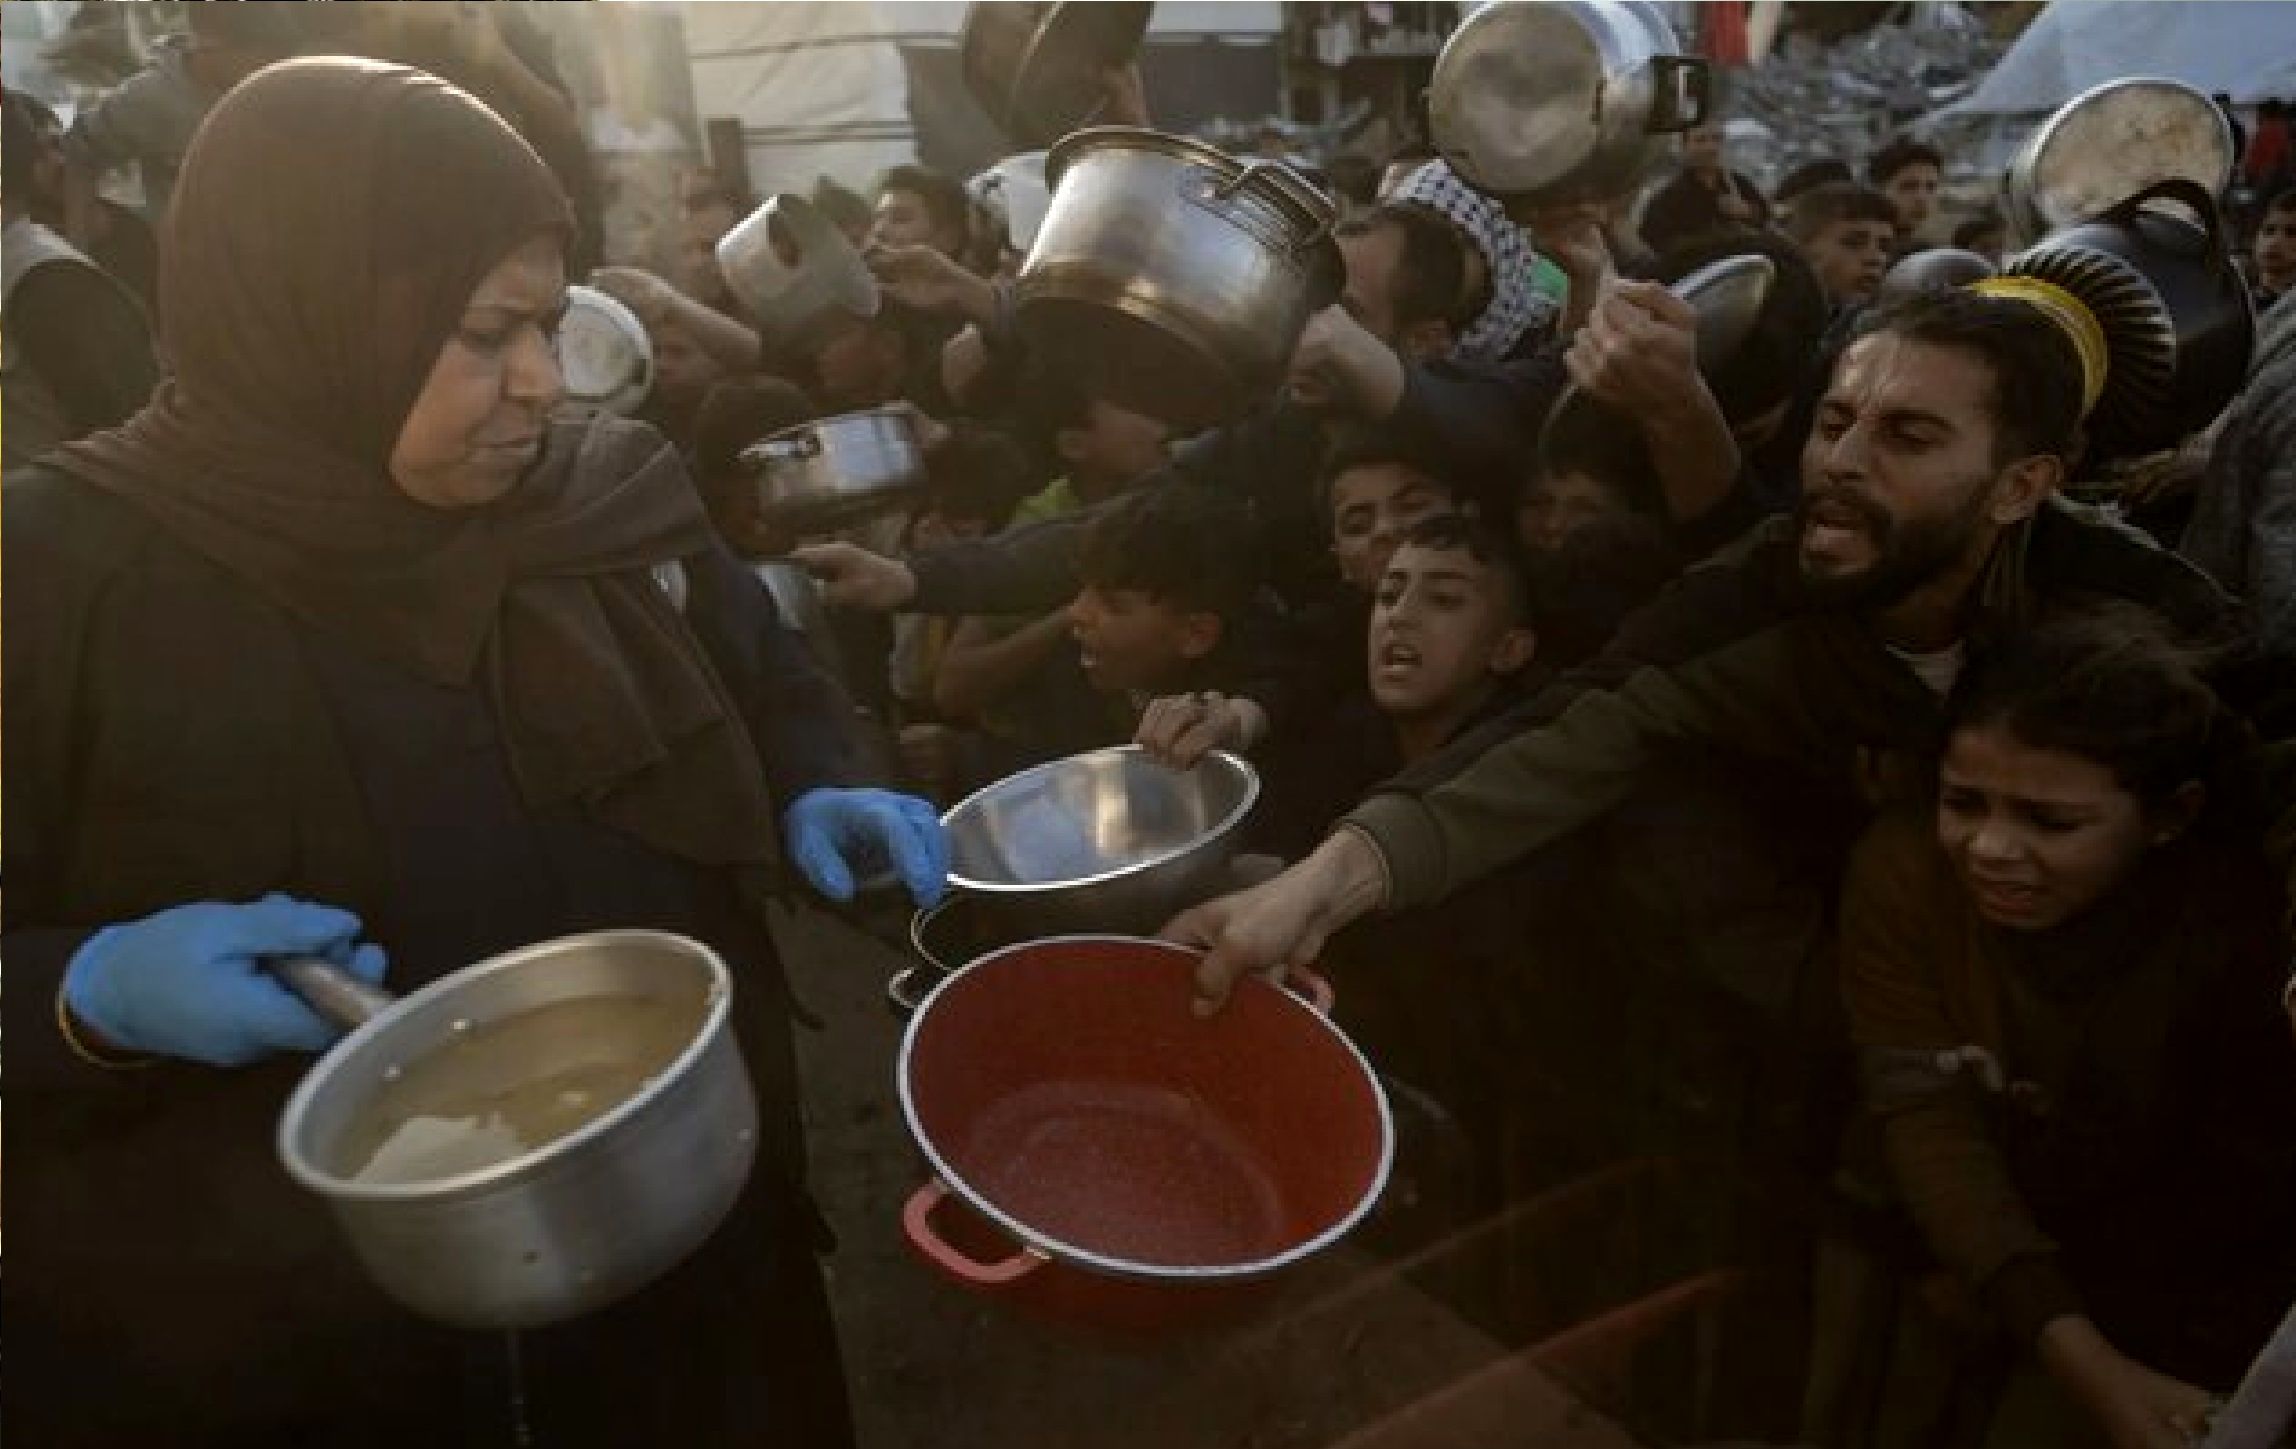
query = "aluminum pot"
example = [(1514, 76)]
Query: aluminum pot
[(2177, 318), (1109, 840), (1549, 102), (833, 472), (1036, 68), (1104, 1158), (1171, 277), (2110, 142), (793, 270), (568, 1227)]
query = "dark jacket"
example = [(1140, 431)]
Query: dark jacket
[(1734, 656), (1687, 208), (2099, 1118), (172, 737)]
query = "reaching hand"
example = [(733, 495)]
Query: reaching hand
[(1639, 349), (1180, 729), (854, 578), (1282, 923), (190, 981), (2136, 1407), (639, 290), (931, 281), (837, 836)]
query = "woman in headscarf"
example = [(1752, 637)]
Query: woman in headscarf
[(345, 646)]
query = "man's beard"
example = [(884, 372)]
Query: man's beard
[(1907, 554)]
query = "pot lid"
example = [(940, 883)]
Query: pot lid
[(604, 352), (2114, 140), (1727, 294)]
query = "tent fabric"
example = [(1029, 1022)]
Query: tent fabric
[(2245, 49)]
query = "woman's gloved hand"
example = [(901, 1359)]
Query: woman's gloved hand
[(836, 836), (189, 981)]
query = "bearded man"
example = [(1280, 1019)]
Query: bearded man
[(1820, 646)]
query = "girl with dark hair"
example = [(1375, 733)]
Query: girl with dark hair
[(2061, 984)]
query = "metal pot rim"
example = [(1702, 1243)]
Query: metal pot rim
[(338, 1188), (2023, 177), (1060, 1251), (1227, 825), (1272, 179)]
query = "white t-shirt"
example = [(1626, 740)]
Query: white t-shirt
[(1939, 669)]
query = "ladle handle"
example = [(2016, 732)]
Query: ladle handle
[(328, 989)]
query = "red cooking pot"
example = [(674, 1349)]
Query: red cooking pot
[(1103, 1157)]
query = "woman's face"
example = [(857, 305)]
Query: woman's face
[(2039, 836), (478, 422)]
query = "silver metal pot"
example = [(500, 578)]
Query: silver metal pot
[(836, 471), (1172, 278), (1548, 102), (568, 1227), (792, 269), (2109, 143), (1108, 840), (1036, 68)]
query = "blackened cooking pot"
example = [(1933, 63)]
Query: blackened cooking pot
[(2177, 319)]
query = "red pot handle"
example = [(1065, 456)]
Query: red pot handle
[(916, 1221), (1309, 987)]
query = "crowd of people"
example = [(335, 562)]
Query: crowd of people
[(1788, 689)]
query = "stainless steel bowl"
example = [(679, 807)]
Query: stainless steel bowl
[(1105, 841)]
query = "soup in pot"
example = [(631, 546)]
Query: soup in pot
[(505, 1088)]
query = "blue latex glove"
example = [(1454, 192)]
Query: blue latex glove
[(836, 835), (188, 982)]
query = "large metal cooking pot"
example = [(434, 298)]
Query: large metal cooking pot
[(1172, 278), (565, 1228), (2110, 142), (837, 471), (1548, 102), (1102, 1156), (1109, 840), (2177, 319), (792, 269), (1036, 68)]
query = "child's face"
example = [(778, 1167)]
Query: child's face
[(1372, 507), (1560, 504), (1443, 628), (2275, 249), (1129, 641), (1116, 445)]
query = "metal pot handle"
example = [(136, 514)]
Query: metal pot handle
[(2192, 194), (1216, 197), (906, 992), (916, 1221), (337, 995), (1673, 78)]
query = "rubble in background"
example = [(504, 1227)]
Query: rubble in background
[(1810, 101)]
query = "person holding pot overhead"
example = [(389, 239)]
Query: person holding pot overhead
[(347, 647)]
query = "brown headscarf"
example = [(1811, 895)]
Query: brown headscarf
[(333, 219)]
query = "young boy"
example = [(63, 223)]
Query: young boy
[(1450, 642), (2272, 252), (1167, 576)]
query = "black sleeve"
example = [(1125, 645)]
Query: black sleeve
[(801, 719), (1479, 424), (89, 341), (1025, 570)]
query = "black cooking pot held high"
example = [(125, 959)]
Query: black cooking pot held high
[(2179, 326)]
